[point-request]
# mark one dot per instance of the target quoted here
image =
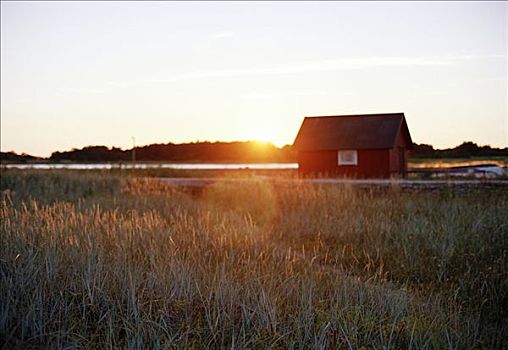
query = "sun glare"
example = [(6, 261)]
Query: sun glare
[(264, 136)]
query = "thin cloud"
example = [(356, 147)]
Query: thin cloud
[(270, 95), (222, 35), (309, 67), (69, 90), (314, 67), (209, 41)]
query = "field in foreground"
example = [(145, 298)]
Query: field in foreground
[(95, 260)]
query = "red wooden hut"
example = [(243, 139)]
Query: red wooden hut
[(355, 146)]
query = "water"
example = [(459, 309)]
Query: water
[(180, 166)]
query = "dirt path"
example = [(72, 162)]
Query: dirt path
[(206, 181)]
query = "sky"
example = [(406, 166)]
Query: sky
[(98, 73)]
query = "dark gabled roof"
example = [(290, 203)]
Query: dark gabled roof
[(366, 131)]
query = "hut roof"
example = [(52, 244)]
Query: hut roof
[(365, 131)]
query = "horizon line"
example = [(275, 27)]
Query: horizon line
[(217, 141)]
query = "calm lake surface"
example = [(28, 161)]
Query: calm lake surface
[(181, 166), (227, 166)]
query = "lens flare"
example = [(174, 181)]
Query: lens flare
[(246, 202)]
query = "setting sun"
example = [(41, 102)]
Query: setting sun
[(265, 136)]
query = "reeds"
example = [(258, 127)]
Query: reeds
[(94, 260)]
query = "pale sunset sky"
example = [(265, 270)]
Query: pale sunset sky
[(96, 73)]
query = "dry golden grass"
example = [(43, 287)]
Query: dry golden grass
[(92, 260)]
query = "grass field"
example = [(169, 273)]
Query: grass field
[(95, 260)]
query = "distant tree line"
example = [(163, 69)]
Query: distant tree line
[(16, 158), (92, 154), (465, 150), (248, 151)]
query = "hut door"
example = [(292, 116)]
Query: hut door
[(402, 161)]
